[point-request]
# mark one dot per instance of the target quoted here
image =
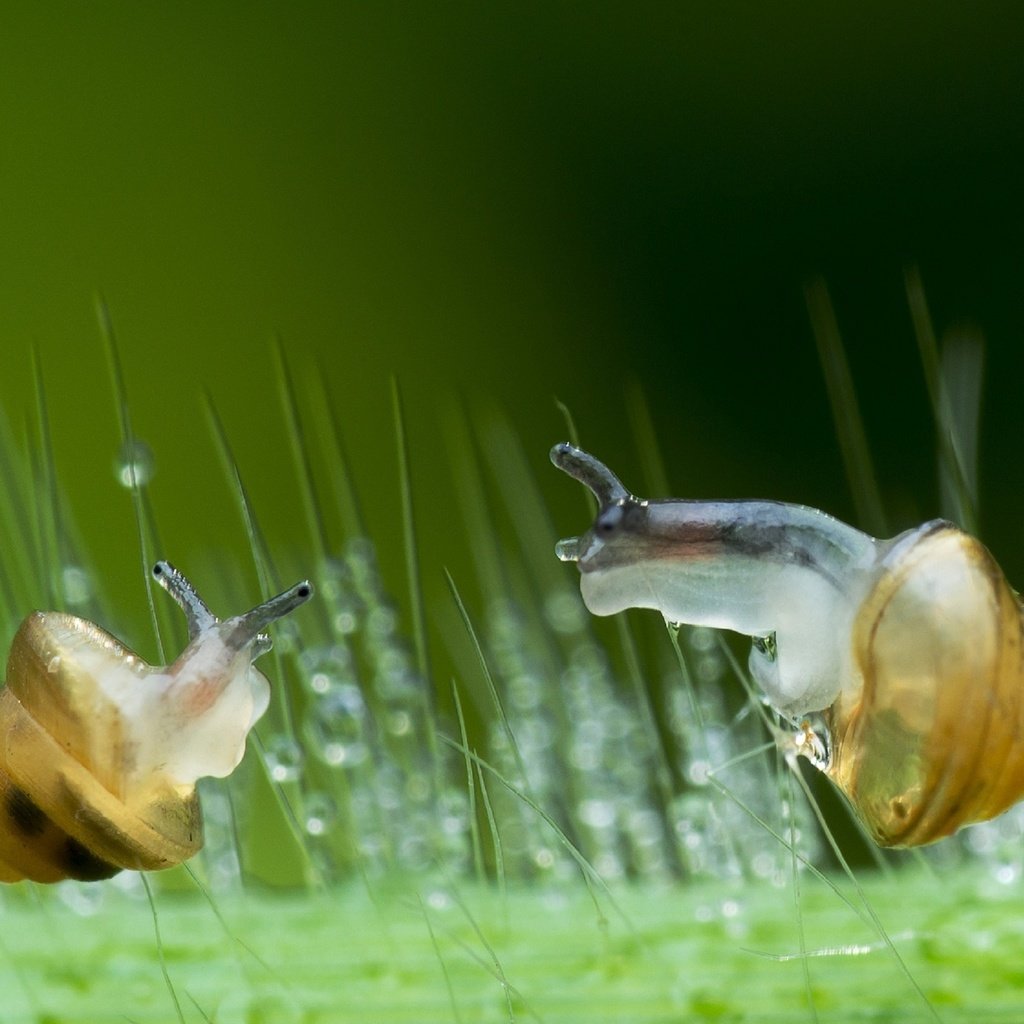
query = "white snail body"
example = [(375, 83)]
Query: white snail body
[(910, 648), (101, 751)]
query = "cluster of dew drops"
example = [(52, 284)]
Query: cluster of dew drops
[(355, 764), (623, 770), (579, 752), (374, 789)]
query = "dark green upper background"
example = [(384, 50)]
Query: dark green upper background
[(508, 203)]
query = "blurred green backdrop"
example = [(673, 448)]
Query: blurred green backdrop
[(505, 203)]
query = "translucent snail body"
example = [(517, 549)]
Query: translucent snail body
[(910, 648), (101, 751)]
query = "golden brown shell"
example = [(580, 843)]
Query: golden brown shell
[(934, 738), (66, 809)]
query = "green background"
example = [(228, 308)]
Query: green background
[(502, 204)]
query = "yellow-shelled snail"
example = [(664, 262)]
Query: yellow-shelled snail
[(101, 751), (910, 648)]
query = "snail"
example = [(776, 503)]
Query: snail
[(910, 648), (101, 751)]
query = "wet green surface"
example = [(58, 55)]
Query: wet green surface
[(424, 952)]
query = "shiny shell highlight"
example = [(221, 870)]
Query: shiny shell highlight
[(934, 738)]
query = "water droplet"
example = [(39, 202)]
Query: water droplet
[(525, 691), (730, 908), (84, 898), (417, 788), (283, 758), (703, 638), (326, 667), (381, 623), (565, 612), (1006, 874), (334, 727), (361, 559), (395, 680), (763, 864), (709, 669), (399, 723), (128, 883), (134, 465), (609, 865), (597, 813), (568, 550), (438, 899), (76, 584), (319, 813), (454, 812), (765, 646), (345, 622), (813, 741)]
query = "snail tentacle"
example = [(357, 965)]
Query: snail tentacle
[(591, 472), (197, 614), (249, 626)]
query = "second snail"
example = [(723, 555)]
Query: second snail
[(101, 751), (911, 649)]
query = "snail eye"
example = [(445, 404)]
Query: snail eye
[(609, 520)]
